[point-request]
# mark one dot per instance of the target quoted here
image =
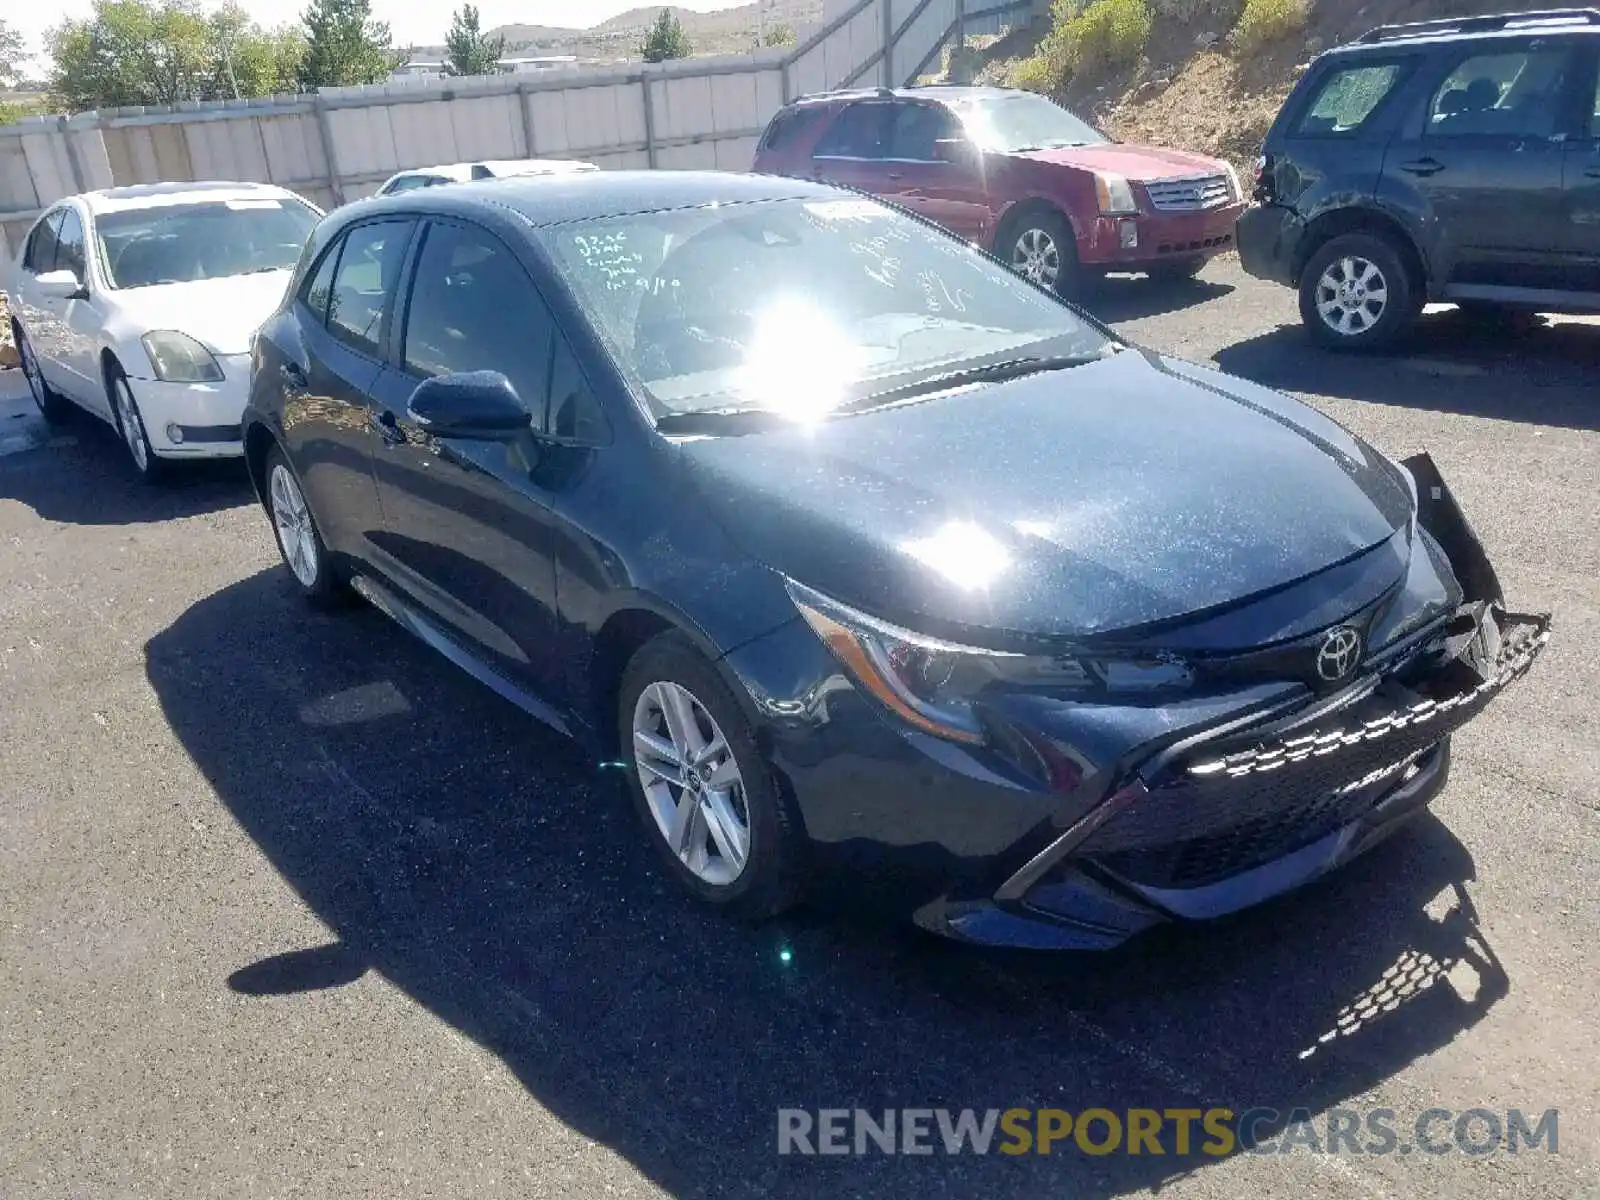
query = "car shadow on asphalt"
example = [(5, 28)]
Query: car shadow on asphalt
[(96, 483), (1118, 298), (482, 866), (1542, 373)]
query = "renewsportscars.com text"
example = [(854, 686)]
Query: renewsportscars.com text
[(1180, 1132)]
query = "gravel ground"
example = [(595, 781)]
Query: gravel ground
[(288, 907)]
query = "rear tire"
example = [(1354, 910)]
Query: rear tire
[(702, 787), (1357, 293), (1041, 247), (299, 539), (52, 406)]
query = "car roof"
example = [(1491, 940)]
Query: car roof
[(576, 195), (161, 195), (1454, 30)]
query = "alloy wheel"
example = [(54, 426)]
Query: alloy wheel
[(1352, 295), (131, 426), (297, 537), (691, 783), (1036, 257)]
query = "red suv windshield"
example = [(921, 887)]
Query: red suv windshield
[(1019, 121)]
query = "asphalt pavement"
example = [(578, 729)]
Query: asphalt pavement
[(291, 908)]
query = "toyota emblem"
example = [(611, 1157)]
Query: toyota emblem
[(1340, 653)]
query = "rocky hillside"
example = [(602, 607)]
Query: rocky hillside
[(1211, 74)]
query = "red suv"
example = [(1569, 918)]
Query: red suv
[(1017, 174)]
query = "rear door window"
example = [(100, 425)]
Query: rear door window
[(1348, 97), (364, 282), (41, 253), (788, 125), (862, 131), (1513, 94)]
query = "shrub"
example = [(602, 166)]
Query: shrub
[(1036, 73), (1188, 11), (1104, 36), (1266, 21)]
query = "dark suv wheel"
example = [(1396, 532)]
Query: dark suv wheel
[(1357, 293)]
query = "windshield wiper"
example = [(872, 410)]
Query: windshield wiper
[(995, 372), (722, 420)]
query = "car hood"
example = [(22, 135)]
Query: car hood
[(1072, 504), (1140, 163), (221, 313)]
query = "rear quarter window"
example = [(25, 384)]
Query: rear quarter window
[(1346, 98), (789, 125)]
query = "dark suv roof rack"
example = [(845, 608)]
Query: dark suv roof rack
[(1384, 33)]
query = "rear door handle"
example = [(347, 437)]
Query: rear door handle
[(292, 374), (1423, 166), (386, 427)]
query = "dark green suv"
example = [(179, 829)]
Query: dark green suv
[(1454, 160)]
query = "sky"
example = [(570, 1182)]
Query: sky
[(413, 22)]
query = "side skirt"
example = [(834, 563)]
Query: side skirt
[(414, 622)]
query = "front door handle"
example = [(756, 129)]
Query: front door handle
[(386, 427), (294, 376), (1423, 167), (1592, 172)]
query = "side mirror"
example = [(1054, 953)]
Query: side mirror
[(955, 150), (480, 405), (61, 285)]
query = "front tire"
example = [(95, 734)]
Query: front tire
[(130, 424), (1041, 247), (1358, 293), (299, 540), (705, 795), (51, 404)]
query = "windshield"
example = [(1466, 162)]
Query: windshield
[(1023, 121), (798, 307), (181, 243)]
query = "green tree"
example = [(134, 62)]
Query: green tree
[(142, 52), (13, 49), (344, 45), (665, 40), (467, 49)]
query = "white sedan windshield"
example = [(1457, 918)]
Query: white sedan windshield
[(211, 240), (798, 306)]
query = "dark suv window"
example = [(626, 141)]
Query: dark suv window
[(862, 131), (1348, 97), (1514, 93)]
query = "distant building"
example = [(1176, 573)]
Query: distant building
[(418, 69), (536, 62)]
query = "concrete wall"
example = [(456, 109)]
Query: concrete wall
[(341, 143)]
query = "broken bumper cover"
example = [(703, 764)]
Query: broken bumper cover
[(1233, 817)]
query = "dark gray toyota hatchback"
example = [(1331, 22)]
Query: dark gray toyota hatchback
[(861, 553)]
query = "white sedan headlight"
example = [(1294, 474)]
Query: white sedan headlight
[(177, 358)]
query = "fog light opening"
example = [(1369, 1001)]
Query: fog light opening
[(175, 434)]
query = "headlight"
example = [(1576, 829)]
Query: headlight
[(1233, 181), (931, 684), (178, 358), (1115, 195)]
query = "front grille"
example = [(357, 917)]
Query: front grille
[(1228, 808), (1199, 193)]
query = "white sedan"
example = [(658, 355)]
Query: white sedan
[(138, 304), (467, 172)]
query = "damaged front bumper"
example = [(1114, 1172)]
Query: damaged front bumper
[(1255, 807)]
